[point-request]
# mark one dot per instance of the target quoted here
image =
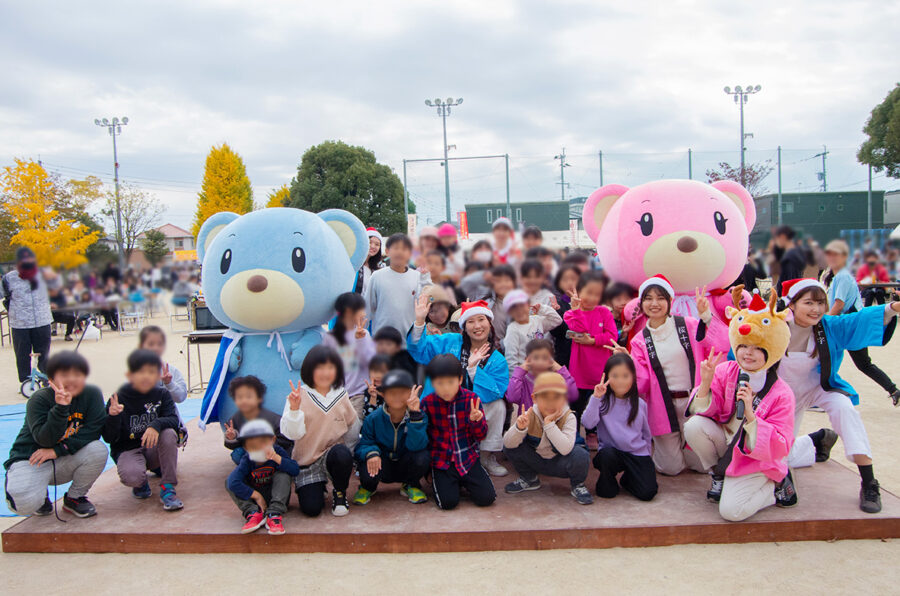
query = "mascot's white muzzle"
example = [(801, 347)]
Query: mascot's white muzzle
[(688, 259), (262, 299)]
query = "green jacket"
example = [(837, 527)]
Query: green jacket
[(65, 429)]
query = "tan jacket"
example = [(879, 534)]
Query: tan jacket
[(559, 435), (322, 422)]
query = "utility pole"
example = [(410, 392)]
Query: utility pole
[(562, 173), (822, 175), (779, 185), (406, 194), (443, 110), (740, 97), (600, 156), (690, 165), (869, 200), (508, 206), (115, 128)]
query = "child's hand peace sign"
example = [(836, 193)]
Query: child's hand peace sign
[(230, 433), (115, 408), (615, 348), (708, 366), (601, 387), (414, 403), (166, 375), (574, 300), (535, 308), (423, 307), (296, 395), (60, 394), (701, 300), (361, 326), (475, 415), (522, 420)]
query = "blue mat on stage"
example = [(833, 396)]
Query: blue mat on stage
[(12, 418)]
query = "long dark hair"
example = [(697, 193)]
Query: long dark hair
[(662, 292), (375, 261), (349, 301), (620, 359)]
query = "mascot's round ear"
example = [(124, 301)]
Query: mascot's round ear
[(597, 207), (741, 198), (211, 228), (352, 233)]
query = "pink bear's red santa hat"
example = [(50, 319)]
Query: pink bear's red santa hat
[(792, 287), (658, 280)]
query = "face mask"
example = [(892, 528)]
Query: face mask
[(259, 456), (27, 270), (482, 256)]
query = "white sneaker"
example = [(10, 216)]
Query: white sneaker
[(490, 463), (339, 505)]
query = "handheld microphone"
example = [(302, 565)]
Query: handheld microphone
[(743, 381)]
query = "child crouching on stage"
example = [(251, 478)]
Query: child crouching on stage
[(623, 432), (456, 425), (743, 427), (394, 442), (248, 393), (260, 485), (542, 441)]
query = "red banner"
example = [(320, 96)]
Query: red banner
[(463, 225)]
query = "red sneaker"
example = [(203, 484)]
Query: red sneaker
[(254, 522), (274, 525)]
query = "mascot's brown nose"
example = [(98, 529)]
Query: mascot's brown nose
[(687, 244), (257, 283)]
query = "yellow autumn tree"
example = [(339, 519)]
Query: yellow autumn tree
[(31, 198), (226, 186), (279, 196)]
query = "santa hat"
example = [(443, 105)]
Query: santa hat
[(757, 304), (373, 233), (658, 280), (513, 298), (470, 309), (792, 287), (502, 221)]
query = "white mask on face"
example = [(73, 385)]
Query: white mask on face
[(482, 256), (258, 455)]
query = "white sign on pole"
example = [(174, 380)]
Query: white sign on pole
[(411, 225)]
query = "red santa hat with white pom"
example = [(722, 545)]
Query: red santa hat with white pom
[(791, 288), (658, 280), (470, 309)]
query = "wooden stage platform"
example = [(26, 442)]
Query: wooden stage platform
[(544, 519)]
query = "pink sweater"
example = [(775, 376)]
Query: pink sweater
[(774, 425), (586, 362)]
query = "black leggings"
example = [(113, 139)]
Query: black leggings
[(339, 463), (584, 397), (27, 341), (865, 365)]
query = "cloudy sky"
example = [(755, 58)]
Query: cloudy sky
[(640, 81)]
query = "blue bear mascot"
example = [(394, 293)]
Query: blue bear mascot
[(272, 276)]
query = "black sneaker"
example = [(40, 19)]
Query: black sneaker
[(823, 449), (46, 508), (520, 485), (582, 495), (339, 505), (715, 488), (870, 497), (895, 397), (79, 507), (785, 492)]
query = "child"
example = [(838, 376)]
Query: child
[(378, 367), (542, 441), (153, 338), (394, 443), (564, 284), (437, 266), (534, 280), (810, 368), (538, 359), (439, 320), (593, 330), (352, 341), (532, 237), (616, 298), (59, 441), (141, 430), (505, 250), (248, 393), (527, 322), (484, 367), (260, 485), (623, 432), (320, 419), (746, 453), (666, 355), (456, 424), (389, 342), (391, 292)]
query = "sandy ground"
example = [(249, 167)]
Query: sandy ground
[(802, 567)]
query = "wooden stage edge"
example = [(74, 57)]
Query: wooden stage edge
[(718, 533)]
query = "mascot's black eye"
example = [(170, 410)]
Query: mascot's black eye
[(226, 262), (646, 223), (298, 259), (720, 222)]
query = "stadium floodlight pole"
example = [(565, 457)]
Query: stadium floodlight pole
[(443, 109), (115, 128), (740, 95)]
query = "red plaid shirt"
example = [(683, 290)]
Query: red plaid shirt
[(452, 437)]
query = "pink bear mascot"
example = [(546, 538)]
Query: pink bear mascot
[(695, 234)]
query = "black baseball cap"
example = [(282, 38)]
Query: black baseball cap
[(397, 378)]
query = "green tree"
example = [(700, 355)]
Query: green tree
[(753, 179), (140, 212), (154, 246), (882, 149), (334, 175), (225, 187)]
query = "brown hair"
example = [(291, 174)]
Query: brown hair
[(818, 295), (664, 294)]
